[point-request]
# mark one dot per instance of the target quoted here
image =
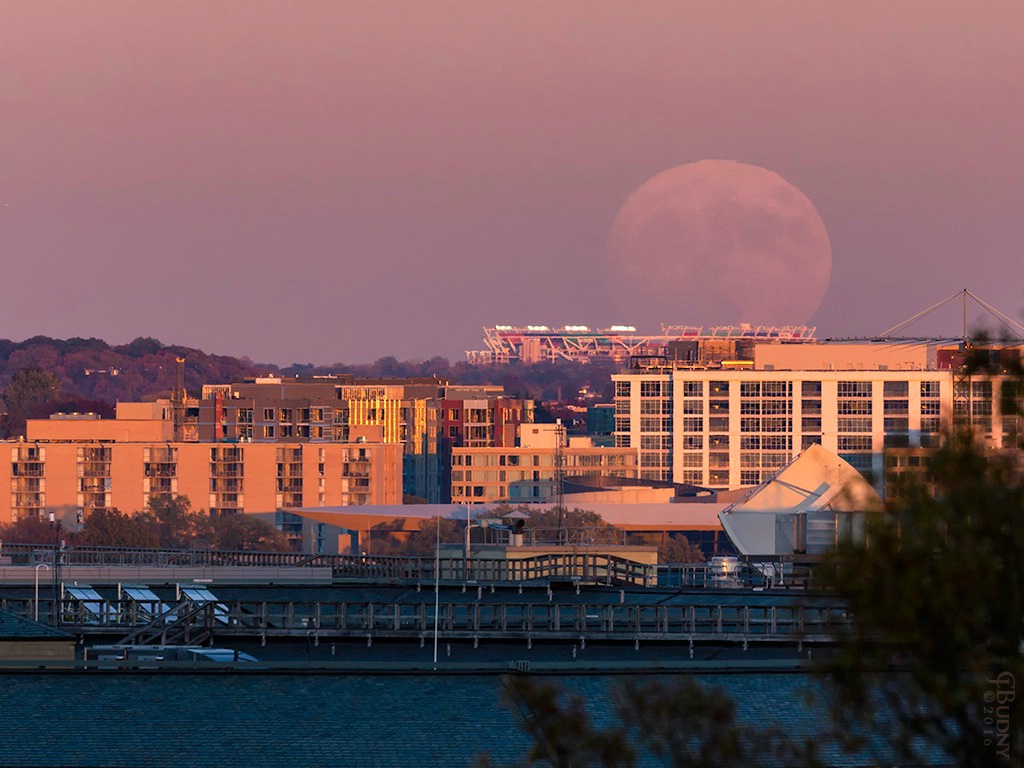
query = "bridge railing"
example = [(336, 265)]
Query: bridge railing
[(478, 619)]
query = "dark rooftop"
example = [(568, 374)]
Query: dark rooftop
[(14, 627)]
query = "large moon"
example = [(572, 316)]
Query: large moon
[(718, 243)]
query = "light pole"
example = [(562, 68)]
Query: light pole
[(55, 525), (466, 553), (38, 566)]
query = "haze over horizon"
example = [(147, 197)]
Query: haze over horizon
[(337, 182)]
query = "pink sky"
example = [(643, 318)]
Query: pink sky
[(322, 182)]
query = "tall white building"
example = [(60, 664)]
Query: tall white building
[(733, 426)]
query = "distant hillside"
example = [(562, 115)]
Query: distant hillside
[(92, 370)]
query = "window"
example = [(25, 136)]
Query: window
[(859, 461), (776, 388), (897, 407), (718, 460), (268, 431), (622, 441), (750, 442), (854, 425), (750, 389), (776, 406), (811, 425), (750, 477), (811, 389), (854, 443), (982, 389), (693, 442), (693, 459), (776, 442), (776, 425), (809, 440), (693, 476), (693, 406), (895, 424), (750, 425), (693, 389), (896, 389), (622, 423), (929, 425), (269, 414), (929, 407), (718, 441), (648, 424), (650, 389), (750, 406), (929, 389), (650, 442), (718, 406), (650, 406), (691, 424), (622, 406), (718, 388), (854, 389), (854, 406), (718, 425), (622, 388), (811, 406)]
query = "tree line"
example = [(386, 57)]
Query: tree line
[(167, 523), (91, 375)]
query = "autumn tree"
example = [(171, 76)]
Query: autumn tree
[(177, 525), (30, 529), (245, 533), (113, 528), (29, 395)]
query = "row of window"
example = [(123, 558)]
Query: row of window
[(812, 389)]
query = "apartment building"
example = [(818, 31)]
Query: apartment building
[(482, 417), (76, 466), (731, 426), (427, 416), (530, 471)]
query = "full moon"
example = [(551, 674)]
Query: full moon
[(718, 243)]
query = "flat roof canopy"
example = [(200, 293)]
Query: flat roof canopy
[(629, 517)]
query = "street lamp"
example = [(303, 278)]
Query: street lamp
[(38, 566), (55, 524), (466, 554)]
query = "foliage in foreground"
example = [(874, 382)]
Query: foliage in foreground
[(929, 672), (938, 598), (679, 723)]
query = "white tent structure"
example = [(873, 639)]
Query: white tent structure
[(805, 508)]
